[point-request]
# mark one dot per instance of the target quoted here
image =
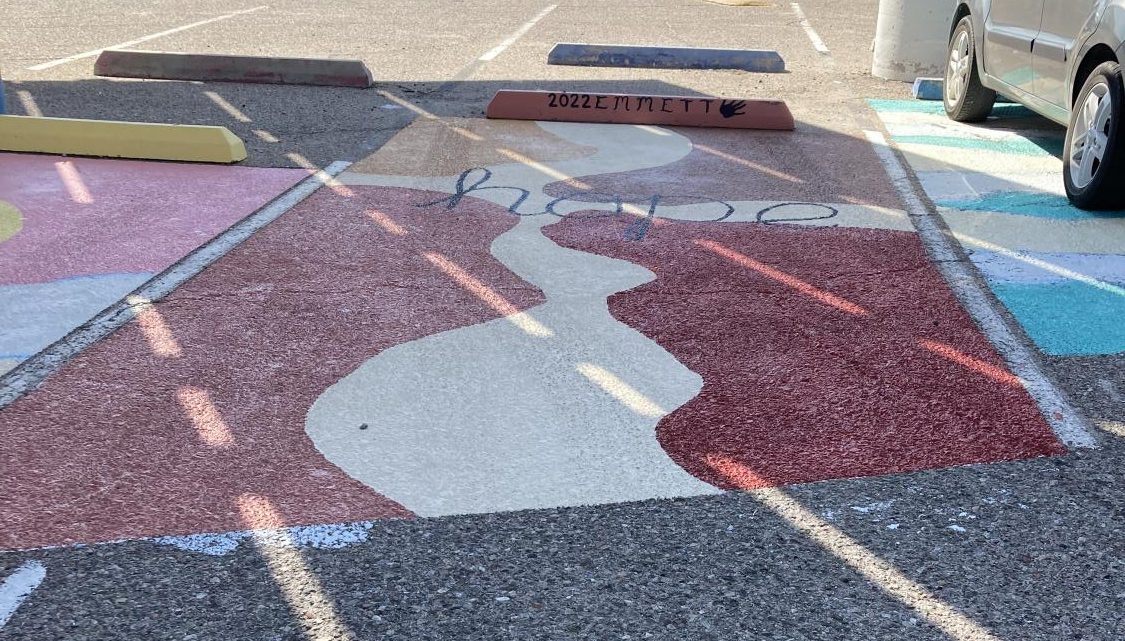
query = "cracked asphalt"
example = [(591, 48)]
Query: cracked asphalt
[(1030, 550)]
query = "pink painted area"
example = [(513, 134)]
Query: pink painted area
[(825, 353), (91, 216), (164, 427)]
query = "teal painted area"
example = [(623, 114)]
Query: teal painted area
[(907, 106), (1026, 203), (930, 107), (1017, 146), (1067, 319)]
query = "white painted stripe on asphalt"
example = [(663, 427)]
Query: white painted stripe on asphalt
[(884, 574), (817, 43), (36, 369), (94, 52), (1066, 422), (232, 111), (30, 107), (499, 49), (1111, 389), (17, 587)]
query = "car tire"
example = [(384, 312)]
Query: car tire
[(1094, 153), (965, 98)]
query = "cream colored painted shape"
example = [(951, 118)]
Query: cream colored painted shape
[(1033, 234), (492, 417)]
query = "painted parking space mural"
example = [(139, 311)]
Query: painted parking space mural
[(489, 316), (1058, 269), (79, 234)]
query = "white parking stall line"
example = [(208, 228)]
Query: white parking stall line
[(527, 26), (1069, 426), (1111, 389), (94, 52), (814, 37)]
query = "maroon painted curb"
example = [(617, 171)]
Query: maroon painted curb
[(635, 109), (168, 65)]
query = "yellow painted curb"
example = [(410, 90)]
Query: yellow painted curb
[(109, 139)]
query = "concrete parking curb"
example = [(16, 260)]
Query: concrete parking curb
[(601, 55), (682, 111), (167, 65), (109, 139)]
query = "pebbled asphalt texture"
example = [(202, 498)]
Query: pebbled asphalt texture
[(1029, 550), (1026, 551)]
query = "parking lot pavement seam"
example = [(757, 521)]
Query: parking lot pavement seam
[(1068, 424)]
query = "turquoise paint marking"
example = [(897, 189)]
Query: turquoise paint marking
[(929, 107), (1024, 203), (1067, 319), (1015, 146), (907, 106)]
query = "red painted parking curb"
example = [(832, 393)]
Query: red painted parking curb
[(167, 65), (633, 109)]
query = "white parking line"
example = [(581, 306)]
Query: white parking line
[(1065, 421), (499, 49), (89, 54), (1111, 389), (17, 587), (817, 43)]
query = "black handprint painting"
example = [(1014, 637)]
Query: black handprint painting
[(732, 108)]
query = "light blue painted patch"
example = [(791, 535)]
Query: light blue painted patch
[(1025, 203), (334, 536), (1067, 319), (209, 544), (34, 316), (1000, 268), (1016, 146)]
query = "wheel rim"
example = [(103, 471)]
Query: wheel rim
[(1090, 138), (958, 68)]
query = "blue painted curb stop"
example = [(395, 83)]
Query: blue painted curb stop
[(928, 88), (932, 89), (594, 55)]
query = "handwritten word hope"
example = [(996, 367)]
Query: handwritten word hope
[(769, 215)]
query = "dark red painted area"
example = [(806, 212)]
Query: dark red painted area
[(104, 450), (823, 363)]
